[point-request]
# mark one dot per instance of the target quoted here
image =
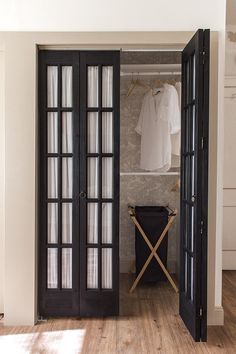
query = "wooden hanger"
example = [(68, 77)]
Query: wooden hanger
[(134, 83)]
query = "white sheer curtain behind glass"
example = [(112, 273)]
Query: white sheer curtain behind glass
[(67, 176), (66, 268), (92, 86), (52, 85), (52, 132), (52, 222), (67, 86), (106, 222), (107, 132), (107, 86), (106, 268), (92, 222), (92, 131)]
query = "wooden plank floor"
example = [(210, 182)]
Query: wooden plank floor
[(149, 323)]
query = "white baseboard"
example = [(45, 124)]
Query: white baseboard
[(215, 316)]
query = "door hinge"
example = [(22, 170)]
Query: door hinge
[(202, 143), (42, 319), (200, 312), (203, 57), (201, 230)]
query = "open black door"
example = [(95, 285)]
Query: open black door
[(194, 184)]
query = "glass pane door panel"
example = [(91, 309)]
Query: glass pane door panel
[(194, 74), (67, 175), (52, 280), (191, 280), (92, 86), (66, 260), (52, 222), (52, 177), (67, 86), (106, 268), (107, 86), (52, 132), (107, 177), (92, 222), (92, 268), (92, 177), (193, 175), (107, 132), (67, 132), (52, 86), (186, 274), (193, 128), (106, 223), (92, 131), (192, 211), (66, 222)]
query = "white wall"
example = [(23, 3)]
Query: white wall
[(2, 179), (111, 15)]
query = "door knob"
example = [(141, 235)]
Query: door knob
[(82, 194), (193, 198)]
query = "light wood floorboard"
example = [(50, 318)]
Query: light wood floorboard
[(148, 324)]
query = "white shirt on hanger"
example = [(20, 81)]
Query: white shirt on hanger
[(176, 138), (158, 119)]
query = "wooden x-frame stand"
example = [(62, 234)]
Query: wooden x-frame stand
[(154, 249)]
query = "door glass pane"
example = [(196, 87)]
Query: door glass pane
[(67, 132), (92, 86), (67, 176), (66, 222), (92, 268), (67, 86), (191, 281), (92, 222), (193, 128), (52, 268), (106, 268), (193, 174), (92, 177), (92, 131), (107, 86), (186, 273), (107, 177), (186, 224), (52, 177), (194, 74), (52, 86), (52, 222), (52, 132), (192, 227), (106, 222), (107, 132), (66, 260)]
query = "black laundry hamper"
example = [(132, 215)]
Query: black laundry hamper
[(153, 220)]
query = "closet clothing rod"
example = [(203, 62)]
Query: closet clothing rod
[(151, 73)]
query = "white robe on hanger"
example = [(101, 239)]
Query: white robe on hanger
[(159, 119)]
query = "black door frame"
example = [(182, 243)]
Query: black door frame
[(67, 302)]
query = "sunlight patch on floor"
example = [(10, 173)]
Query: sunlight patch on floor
[(55, 342)]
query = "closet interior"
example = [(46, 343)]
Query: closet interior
[(142, 73)]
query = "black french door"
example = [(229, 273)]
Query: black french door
[(100, 176), (194, 184), (79, 183)]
